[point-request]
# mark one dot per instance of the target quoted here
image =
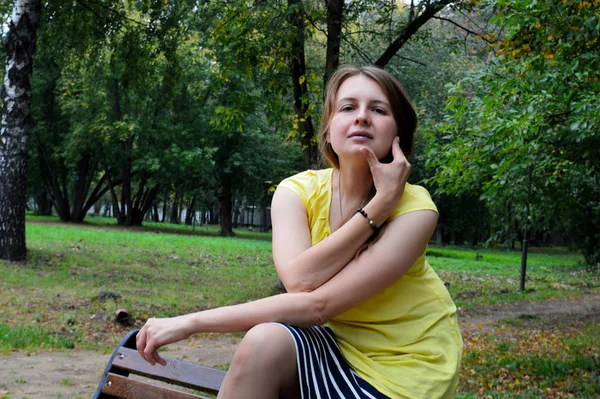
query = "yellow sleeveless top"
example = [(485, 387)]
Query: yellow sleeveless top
[(405, 340)]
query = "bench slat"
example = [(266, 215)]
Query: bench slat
[(185, 374), (126, 388)]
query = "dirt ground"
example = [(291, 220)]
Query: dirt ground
[(75, 374)]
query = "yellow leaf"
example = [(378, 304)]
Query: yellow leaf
[(302, 79)]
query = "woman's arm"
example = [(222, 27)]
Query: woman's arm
[(302, 267), (376, 268), (297, 309)]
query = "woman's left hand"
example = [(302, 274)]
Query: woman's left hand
[(159, 332), (389, 179)]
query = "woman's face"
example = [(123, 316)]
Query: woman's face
[(362, 117)]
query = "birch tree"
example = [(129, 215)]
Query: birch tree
[(16, 103)]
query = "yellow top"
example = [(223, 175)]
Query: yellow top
[(405, 340)]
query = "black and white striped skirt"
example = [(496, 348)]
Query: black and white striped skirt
[(323, 371)]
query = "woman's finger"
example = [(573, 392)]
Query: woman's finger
[(149, 352), (158, 359), (397, 152), (370, 156), (140, 341)]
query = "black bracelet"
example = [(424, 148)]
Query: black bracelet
[(364, 213)]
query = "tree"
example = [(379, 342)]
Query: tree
[(105, 119), (335, 26), (524, 130), (16, 103)]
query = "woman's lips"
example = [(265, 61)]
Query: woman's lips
[(361, 135)]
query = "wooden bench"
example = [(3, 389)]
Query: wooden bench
[(117, 383)]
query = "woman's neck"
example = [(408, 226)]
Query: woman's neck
[(355, 181)]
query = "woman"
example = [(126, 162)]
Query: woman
[(349, 245)]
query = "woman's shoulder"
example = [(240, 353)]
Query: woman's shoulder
[(310, 175), (308, 182), (414, 198)]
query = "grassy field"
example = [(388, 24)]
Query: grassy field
[(66, 296)]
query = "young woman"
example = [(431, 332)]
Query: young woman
[(365, 316)]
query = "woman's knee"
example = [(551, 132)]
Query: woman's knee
[(264, 364), (265, 344)]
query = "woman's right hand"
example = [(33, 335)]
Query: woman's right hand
[(159, 332), (389, 178)]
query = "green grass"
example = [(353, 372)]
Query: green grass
[(52, 302), (154, 273), (31, 338), (487, 276)]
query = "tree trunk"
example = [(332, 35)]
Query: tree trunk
[(264, 225), (85, 173), (143, 203), (155, 217), (126, 201), (298, 72), (439, 240), (237, 213), (16, 104), (191, 211), (175, 206), (335, 11), (164, 208), (44, 203), (225, 205), (214, 216)]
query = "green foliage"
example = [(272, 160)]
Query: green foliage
[(522, 132), (156, 101)]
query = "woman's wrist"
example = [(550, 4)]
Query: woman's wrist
[(380, 208), (189, 323)]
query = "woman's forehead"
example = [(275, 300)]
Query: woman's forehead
[(361, 87)]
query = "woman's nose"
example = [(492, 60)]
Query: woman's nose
[(361, 118)]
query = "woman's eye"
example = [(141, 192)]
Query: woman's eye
[(379, 111), (347, 108)]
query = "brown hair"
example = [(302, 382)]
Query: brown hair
[(402, 110)]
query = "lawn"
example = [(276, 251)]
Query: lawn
[(66, 296)]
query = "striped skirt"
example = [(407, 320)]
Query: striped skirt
[(323, 371)]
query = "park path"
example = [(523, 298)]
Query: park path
[(75, 374)]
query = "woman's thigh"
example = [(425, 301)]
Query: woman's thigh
[(264, 365)]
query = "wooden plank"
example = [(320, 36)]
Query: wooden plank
[(126, 388), (185, 374)]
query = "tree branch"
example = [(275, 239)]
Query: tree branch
[(363, 54), (410, 59), (430, 10), (479, 35)]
